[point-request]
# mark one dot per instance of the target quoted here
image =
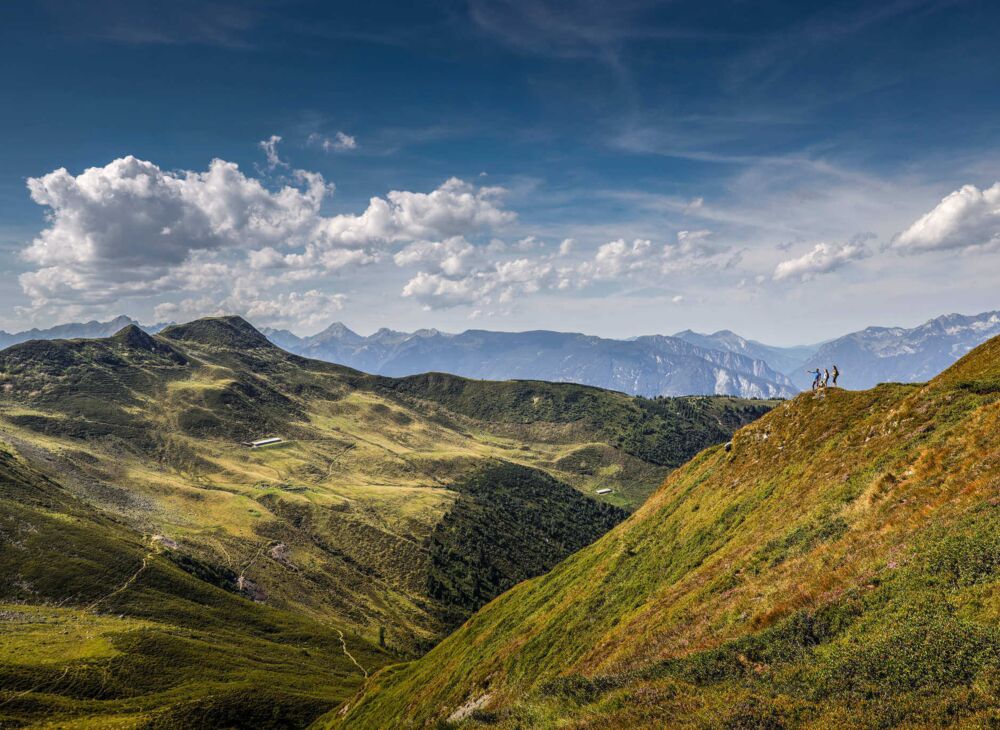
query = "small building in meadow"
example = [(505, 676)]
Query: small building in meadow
[(605, 490), (270, 441)]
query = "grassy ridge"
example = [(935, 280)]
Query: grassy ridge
[(837, 567), (662, 431)]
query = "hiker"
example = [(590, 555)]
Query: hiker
[(836, 374), (815, 372), (826, 377)]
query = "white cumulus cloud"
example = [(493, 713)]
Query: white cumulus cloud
[(289, 309), (436, 291), (130, 225), (131, 228), (822, 259), (965, 219), (500, 282), (453, 256), (616, 259), (455, 208), (641, 260)]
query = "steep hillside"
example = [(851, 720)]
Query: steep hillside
[(837, 566), (508, 524), (355, 516), (647, 366)]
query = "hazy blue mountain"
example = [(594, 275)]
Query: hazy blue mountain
[(882, 354), (687, 363), (782, 359), (75, 330), (282, 338), (649, 366)]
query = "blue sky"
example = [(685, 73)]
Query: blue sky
[(788, 170)]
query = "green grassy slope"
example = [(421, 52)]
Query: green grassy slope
[(362, 521), (99, 628), (838, 566)]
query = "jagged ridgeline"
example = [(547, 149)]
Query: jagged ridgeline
[(837, 566), (156, 571)]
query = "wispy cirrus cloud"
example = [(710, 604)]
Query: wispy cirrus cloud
[(222, 23), (270, 147), (339, 142), (596, 29)]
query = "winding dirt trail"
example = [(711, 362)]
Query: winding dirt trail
[(36, 688), (343, 643), (124, 586)]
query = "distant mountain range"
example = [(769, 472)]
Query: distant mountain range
[(686, 363), (782, 359), (647, 366), (884, 354), (75, 330)]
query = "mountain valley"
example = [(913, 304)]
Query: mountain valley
[(389, 510), (435, 549)]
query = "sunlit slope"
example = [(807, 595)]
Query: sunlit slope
[(101, 627), (838, 566), (341, 521)]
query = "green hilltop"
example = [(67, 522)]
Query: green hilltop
[(837, 566), (155, 572)]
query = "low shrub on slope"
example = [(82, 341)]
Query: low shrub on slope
[(837, 566), (508, 524)]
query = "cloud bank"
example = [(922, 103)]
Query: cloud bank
[(219, 240), (131, 228)]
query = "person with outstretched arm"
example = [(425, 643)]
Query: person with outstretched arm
[(816, 373)]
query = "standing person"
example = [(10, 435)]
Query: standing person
[(836, 374), (826, 377), (816, 373)]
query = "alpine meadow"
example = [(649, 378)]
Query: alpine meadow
[(499, 365), (141, 531)]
